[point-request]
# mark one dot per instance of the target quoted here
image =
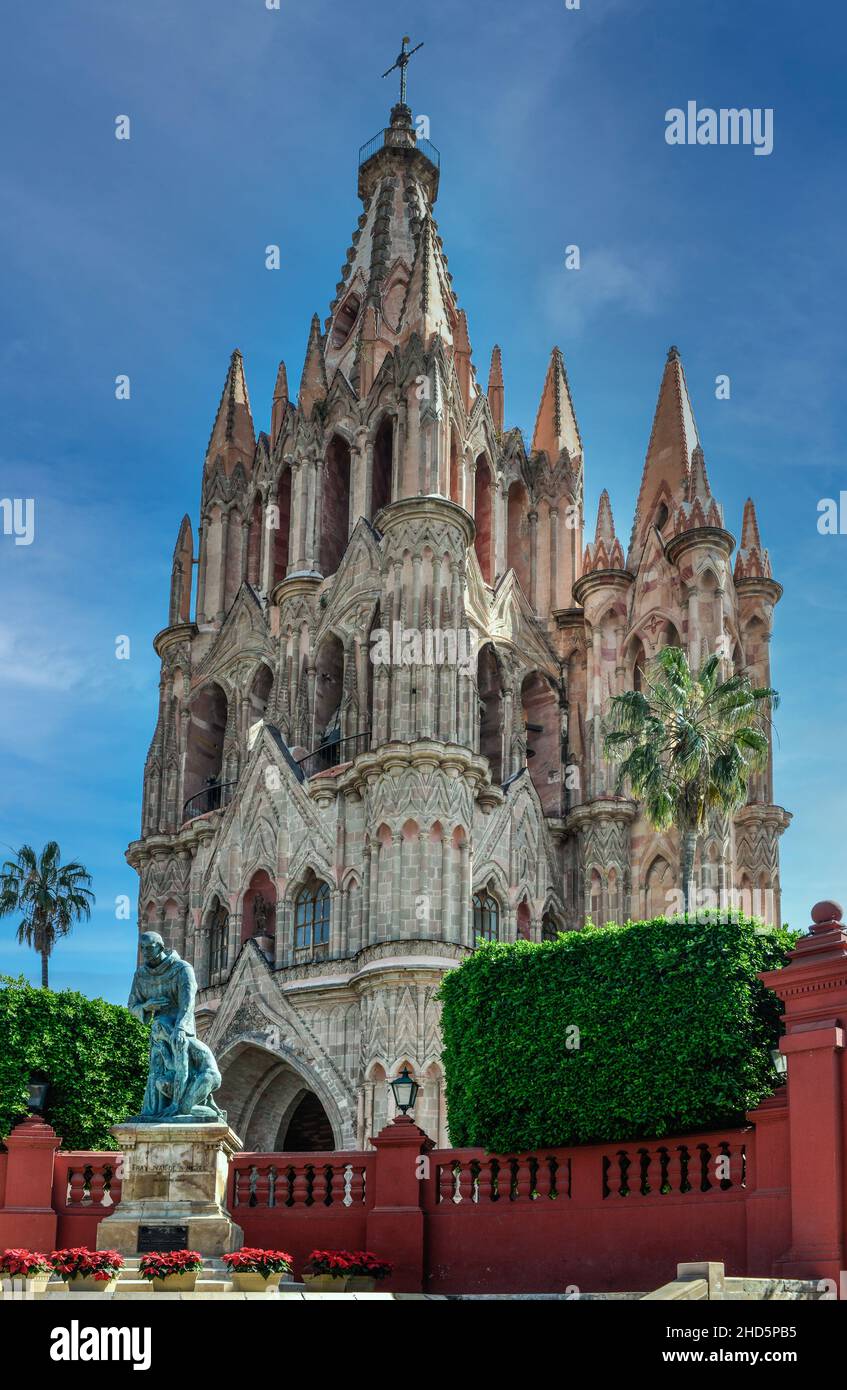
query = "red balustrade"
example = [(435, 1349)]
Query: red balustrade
[(765, 1198)]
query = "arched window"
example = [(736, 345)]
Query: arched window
[(542, 721), (486, 916), (335, 505), (383, 464), (204, 753), (484, 539), (490, 690), (218, 940), (311, 917), (518, 536), (524, 922), (281, 533), (549, 927), (658, 889), (639, 661)]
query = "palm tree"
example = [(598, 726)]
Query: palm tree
[(689, 744), (50, 897)]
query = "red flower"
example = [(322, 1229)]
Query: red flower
[(250, 1260), (345, 1262), (79, 1261), (23, 1263), (161, 1264)]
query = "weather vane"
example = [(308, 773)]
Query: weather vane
[(402, 62)]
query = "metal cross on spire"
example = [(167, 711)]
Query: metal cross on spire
[(402, 62)]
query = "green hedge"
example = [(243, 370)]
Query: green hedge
[(93, 1053), (674, 1033)]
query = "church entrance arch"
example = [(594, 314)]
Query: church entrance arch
[(272, 1105)]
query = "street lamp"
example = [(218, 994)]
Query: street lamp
[(38, 1088), (780, 1062), (405, 1090)]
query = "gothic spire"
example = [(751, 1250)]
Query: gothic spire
[(425, 309), (181, 576), (605, 530), (496, 390), (462, 350), (667, 466), (752, 560), (280, 402), (605, 551), (313, 383), (233, 438), (555, 425)]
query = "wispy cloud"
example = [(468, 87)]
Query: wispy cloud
[(607, 280)]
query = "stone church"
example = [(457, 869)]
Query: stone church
[(380, 706)]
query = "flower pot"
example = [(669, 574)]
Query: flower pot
[(176, 1283), (326, 1283), (247, 1282), (86, 1283), (360, 1283)]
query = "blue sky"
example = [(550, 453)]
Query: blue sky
[(146, 257)]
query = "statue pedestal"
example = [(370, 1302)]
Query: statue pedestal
[(173, 1190)]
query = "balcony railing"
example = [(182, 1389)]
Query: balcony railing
[(332, 753), (211, 798), (425, 147)]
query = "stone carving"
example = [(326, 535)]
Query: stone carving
[(182, 1073), (261, 916)]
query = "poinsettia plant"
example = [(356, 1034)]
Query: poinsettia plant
[(23, 1264), (163, 1264), (340, 1263), (264, 1262), (80, 1262)]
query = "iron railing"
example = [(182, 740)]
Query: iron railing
[(371, 147), (332, 753), (211, 798)]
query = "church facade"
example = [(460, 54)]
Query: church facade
[(380, 715)]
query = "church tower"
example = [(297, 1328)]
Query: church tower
[(380, 710)]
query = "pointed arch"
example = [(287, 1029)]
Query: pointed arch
[(281, 533), (658, 887), (334, 520), (484, 518), (258, 909), (205, 747), (312, 919), (383, 466), (540, 707), (487, 914), (259, 693), (254, 541), (490, 691), (518, 536), (329, 690)]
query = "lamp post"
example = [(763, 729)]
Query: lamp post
[(405, 1090), (38, 1088)]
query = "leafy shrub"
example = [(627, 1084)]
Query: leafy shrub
[(93, 1054), (611, 1032)]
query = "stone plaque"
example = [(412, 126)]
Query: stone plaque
[(162, 1238)]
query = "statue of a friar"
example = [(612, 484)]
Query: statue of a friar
[(183, 1073)]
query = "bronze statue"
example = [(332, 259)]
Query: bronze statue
[(182, 1073)]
